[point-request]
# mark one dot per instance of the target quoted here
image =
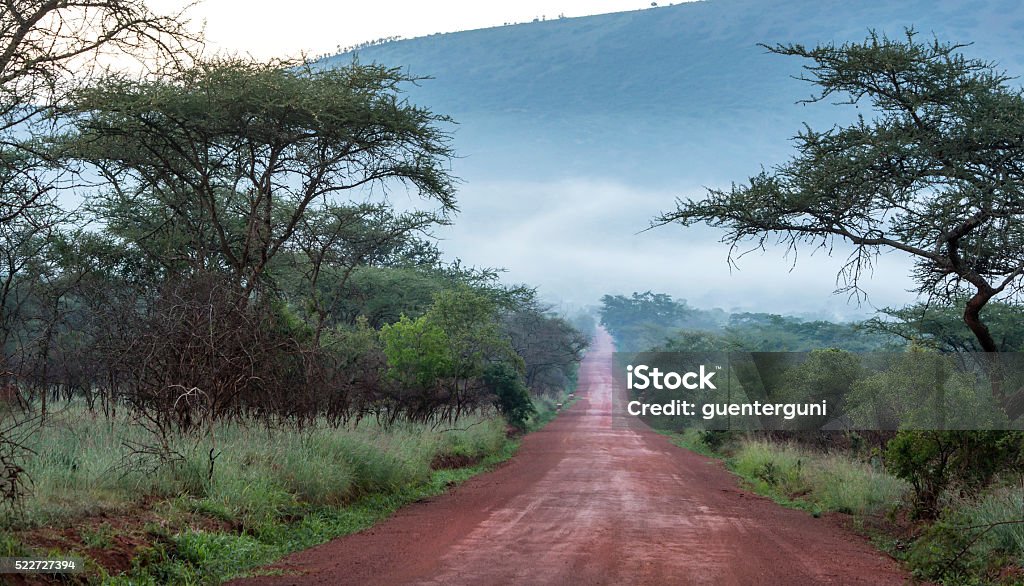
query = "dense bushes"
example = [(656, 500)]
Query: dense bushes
[(935, 462), (511, 396)]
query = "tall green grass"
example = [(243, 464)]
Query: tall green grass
[(826, 482), (83, 465), (806, 479), (974, 541), (1000, 515), (278, 489)]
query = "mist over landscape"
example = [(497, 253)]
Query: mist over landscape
[(572, 134)]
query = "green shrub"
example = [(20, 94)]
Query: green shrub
[(821, 482), (973, 541), (934, 461), (511, 397), (954, 550), (716, 439), (774, 469)]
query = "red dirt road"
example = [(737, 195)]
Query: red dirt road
[(588, 502)]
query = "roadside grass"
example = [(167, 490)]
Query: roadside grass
[(826, 482), (205, 557), (800, 478), (273, 490), (84, 466), (547, 410), (1000, 514)]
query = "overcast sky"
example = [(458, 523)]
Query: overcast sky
[(276, 28)]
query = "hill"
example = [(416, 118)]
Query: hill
[(656, 95)]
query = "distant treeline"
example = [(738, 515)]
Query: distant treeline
[(655, 322)]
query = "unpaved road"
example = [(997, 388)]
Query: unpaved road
[(588, 502)]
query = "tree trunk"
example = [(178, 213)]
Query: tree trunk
[(1013, 405), (972, 317)]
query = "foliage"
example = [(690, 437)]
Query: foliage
[(418, 352), (234, 262), (825, 375), (382, 295), (760, 332), (972, 542), (940, 325), (222, 165), (936, 175), (231, 277), (549, 346), (471, 322), (646, 319), (922, 389), (47, 48), (936, 461), (654, 322), (692, 341), (440, 358), (585, 323), (511, 396), (716, 439), (333, 242), (408, 282)]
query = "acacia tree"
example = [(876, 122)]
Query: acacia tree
[(216, 169), (938, 174), (222, 178), (48, 47)]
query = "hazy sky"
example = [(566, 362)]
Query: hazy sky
[(576, 239), (275, 28)]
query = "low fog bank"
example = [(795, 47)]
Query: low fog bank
[(579, 239)]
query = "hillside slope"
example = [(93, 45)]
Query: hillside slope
[(658, 94)]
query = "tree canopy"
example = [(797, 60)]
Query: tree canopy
[(224, 164), (49, 47), (937, 173)]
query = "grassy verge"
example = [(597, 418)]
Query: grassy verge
[(547, 409), (804, 479), (98, 494), (205, 557), (978, 540)]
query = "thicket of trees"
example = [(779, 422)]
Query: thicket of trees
[(237, 254)]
